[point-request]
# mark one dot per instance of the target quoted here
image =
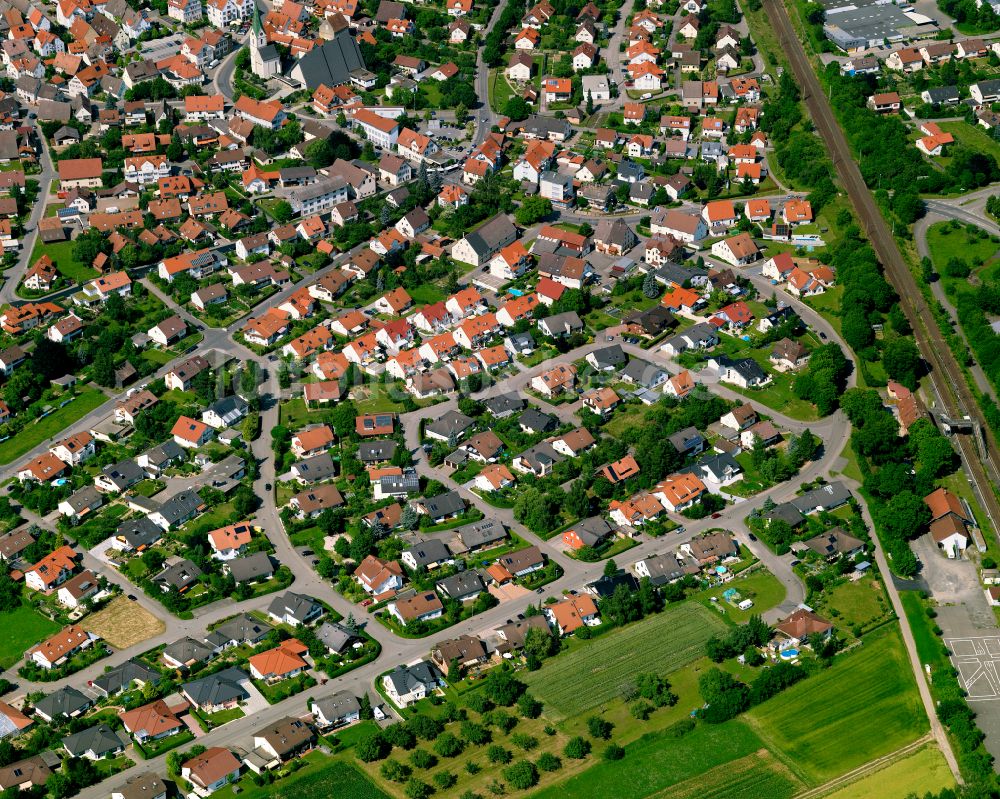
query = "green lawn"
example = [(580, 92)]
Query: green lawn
[(320, 778), (656, 761), (61, 253), (426, 294), (945, 241), (929, 647), (862, 602), (53, 424), (762, 587), (863, 707), (25, 628), (922, 773), (973, 136), (595, 671)]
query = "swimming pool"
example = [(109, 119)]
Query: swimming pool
[(788, 654)]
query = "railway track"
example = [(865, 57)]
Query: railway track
[(981, 458)]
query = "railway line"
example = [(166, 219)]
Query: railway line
[(981, 457)]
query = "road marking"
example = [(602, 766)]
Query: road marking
[(975, 660)]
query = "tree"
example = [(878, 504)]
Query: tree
[(548, 762), (282, 212), (454, 671), (590, 103), (533, 209), (417, 789), (104, 368), (650, 286), (424, 727), (461, 112), (371, 748), (521, 775), (613, 752), (516, 108), (502, 687), (902, 361), (395, 771), (725, 696), (599, 728), (448, 745), (320, 153), (577, 748), (10, 593)]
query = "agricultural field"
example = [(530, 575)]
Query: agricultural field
[(24, 628), (320, 778), (861, 708), (657, 761), (925, 771), (123, 623), (756, 775), (595, 673)]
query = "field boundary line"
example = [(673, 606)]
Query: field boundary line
[(866, 769), (776, 750)]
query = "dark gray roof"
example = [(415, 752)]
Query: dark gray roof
[(405, 678), (606, 585), (451, 423), (486, 531), (431, 550), (216, 689), (187, 650), (121, 677), (243, 629), (124, 474), (164, 453), (180, 506), (562, 323), (335, 637), (543, 126), (785, 512), (298, 606), (86, 497), (831, 495), (536, 421), (490, 237), (229, 405), (64, 702), (642, 372), (178, 575), (331, 63), (100, 740), (461, 584), (447, 504), (375, 451), (406, 483), (252, 567), (341, 705), (141, 532), (542, 454), (504, 405), (593, 530), (317, 468)]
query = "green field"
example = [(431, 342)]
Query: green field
[(657, 761), (25, 628), (972, 136), (862, 602), (861, 708), (597, 671), (923, 772), (321, 778), (750, 777), (944, 243), (37, 432)]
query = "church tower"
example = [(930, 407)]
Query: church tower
[(265, 62)]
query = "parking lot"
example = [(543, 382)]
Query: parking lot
[(976, 660)]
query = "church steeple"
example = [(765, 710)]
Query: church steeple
[(259, 37)]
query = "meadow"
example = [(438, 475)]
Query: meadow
[(596, 671), (863, 707), (25, 627), (925, 771)]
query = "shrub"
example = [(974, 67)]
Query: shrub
[(475, 734), (529, 707), (498, 754), (614, 752), (421, 758), (522, 775), (417, 789), (502, 720), (372, 748), (599, 728), (444, 780), (640, 710), (395, 771), (479, 702), (577, 748), (473, 767), (548, 762), (525, 742)]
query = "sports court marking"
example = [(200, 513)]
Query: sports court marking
[(976, 660)]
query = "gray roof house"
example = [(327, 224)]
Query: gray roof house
[(504, 405), (335, 637), (592, 531), (156, 459), (294, 609), (225, 412), (336, 710), (186, 652), (561, 324), (481, 534), (607, 359), (443, 506), (94, 743), (376, 451), (538, 459), (450, 424), (785, 512), (178, 576), (463, 586), (481, 244), (240, 629), (67, 702), (123, 676), (407, 684), (251, 568), (120, 476), (687, 441), (224, 688), (826, 497), (426, 554), (181, 507), (643, 373), (315, 469), (138, 533), (534, 421)]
